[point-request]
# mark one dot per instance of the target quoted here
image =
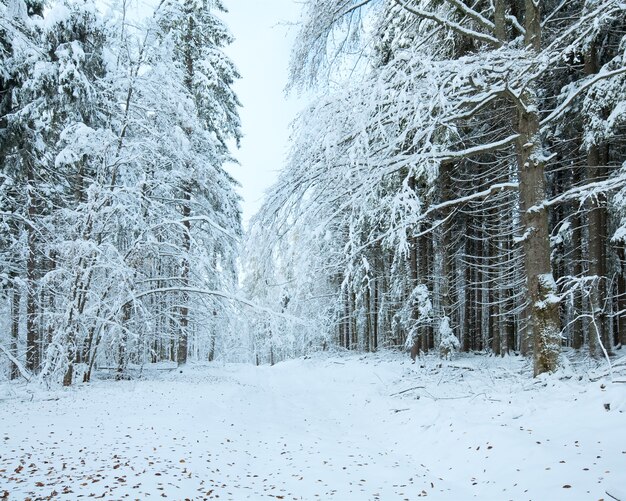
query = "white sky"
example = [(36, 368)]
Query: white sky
[(261, 53)]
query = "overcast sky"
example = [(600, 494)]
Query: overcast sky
[(261, 52)]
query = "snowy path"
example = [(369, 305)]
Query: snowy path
[(320, 429)]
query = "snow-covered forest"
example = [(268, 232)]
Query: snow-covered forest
[(459, 181), (439, 266), (456, 184), (120, 226)]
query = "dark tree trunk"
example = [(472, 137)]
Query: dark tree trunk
[(32, 333), (598, 239), (375, 316), (183, 339), (15, 328)]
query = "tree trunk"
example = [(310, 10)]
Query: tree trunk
[(577, 336), (598, 238), (353, 324), (32, 344), (423, 269), (368, 316), (15, 328), (543, 308), (414, 282), (620, 316), (183, 335), (346, 321), (375, 319), (499, 18), (444, 248), (183, 339)]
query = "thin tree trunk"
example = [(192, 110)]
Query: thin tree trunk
[(15, 328), (423, 269), (183, 339), (596, 171), (577, 271), (414, 282), (346, 320), (466, 342), (620, 316), (368, 316), (32, 345)]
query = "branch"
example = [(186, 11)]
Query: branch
[(581, 191), (474, 196), (27, 375), (483, 37), (407, 390), (224, 295), (515, 23), (449, 203), (476, 16), (338, 14), (565, 104), (476, 150)]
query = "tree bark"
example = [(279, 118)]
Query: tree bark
[(15, 328), (619, 321), (424, 270), (543, 307), (577, 336), (499, 18), (183, 338), (368, 316), (598, 238), (375, 319), (32, 337)]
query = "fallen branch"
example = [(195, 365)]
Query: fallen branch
[(407, 390), (23, 371)]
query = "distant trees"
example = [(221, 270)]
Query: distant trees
[(462, 155), (117, 217)]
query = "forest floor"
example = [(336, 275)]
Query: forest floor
[(339, 427)]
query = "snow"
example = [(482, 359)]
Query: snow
[(346, 427), (449, 342)]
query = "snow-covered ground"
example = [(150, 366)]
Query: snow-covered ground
[(347, 427)]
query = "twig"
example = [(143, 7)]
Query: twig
[(612, 496), (407, 390)]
